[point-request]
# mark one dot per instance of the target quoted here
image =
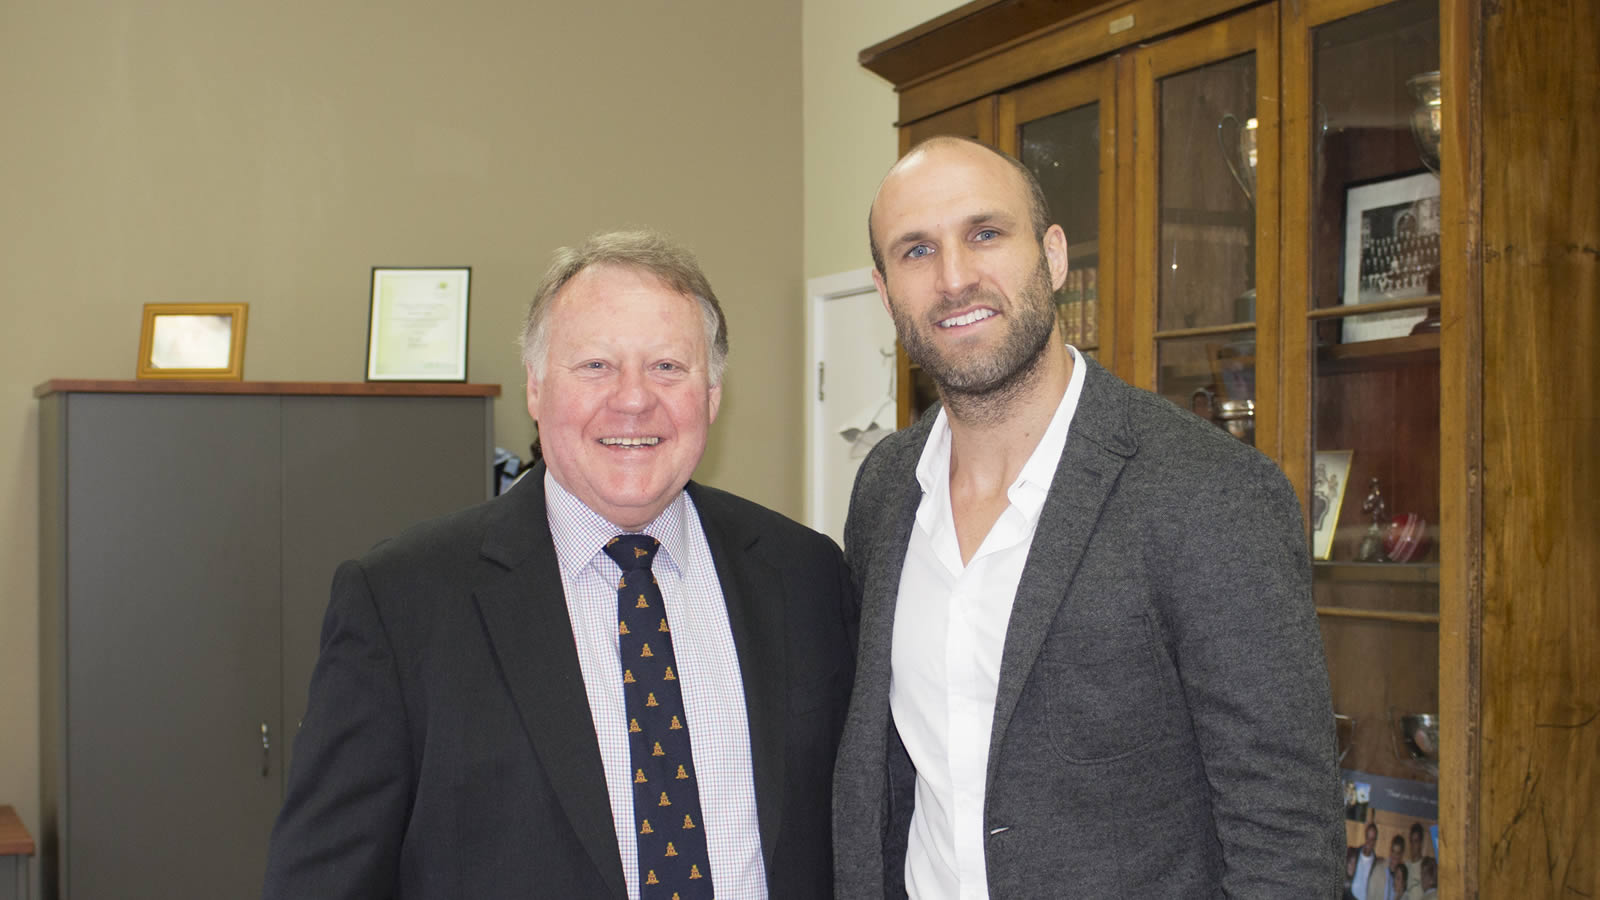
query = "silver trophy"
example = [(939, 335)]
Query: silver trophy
[(1426, 126), (1371, 549), (1241, 157), (1419, 734), (1427, 129)]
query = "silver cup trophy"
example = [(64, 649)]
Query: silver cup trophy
[(1241, 157), (1427, 129), (1419, 734), (1426, 124)]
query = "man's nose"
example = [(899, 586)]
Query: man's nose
[(634, 392), (958, 271)]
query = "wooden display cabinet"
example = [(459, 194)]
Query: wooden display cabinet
[(1367, 386), (1265, 225)]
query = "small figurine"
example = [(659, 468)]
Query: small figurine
[(1371, 549)]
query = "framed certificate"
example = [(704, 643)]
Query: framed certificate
[(197, 341), (417, 327)]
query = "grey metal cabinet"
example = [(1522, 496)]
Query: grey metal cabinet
[(189, 540)]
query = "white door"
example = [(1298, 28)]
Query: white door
[(850, 390)]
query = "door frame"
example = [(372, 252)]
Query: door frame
[(818, 292)]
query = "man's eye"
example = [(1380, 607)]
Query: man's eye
[(667, 367), (918, 251), (988, 234), (593, 364)]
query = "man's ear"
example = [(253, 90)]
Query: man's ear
[(533, 393), (1055, 253), (715, 403), (883, 290)]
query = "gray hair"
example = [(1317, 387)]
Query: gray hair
[(1038, 204), (642, 250)]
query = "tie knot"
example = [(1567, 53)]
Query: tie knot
[(632, 552)]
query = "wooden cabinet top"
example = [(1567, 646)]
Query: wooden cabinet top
[(282, 388), (965, 30)]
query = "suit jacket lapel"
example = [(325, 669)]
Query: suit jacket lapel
[(877, 552), (756, 620), (525, 614), (886, 556), (1097, 448)]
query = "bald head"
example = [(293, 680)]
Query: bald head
[(929, 153)]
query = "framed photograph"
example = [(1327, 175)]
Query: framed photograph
[(1391, 251), (417, 326), (1330, 471), (197, 341)]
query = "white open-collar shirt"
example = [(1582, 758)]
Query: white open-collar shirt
[(949, 632)]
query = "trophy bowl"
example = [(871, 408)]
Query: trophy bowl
[(1426, 125), (1238, 417), (1419, 732)]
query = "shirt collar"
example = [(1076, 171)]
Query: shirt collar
[(579, 532), (1033, 482), (1028, 492)]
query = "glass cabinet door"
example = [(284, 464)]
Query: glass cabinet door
[(1361, 266), (1207, 198), (1056, 128)]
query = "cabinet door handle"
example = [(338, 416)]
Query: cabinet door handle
[(266, 750)]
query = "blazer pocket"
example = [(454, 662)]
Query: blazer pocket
[(1103, 690)]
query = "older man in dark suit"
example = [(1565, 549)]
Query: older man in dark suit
[(609, 682), (1089, 662)]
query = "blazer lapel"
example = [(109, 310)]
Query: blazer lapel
[(876, 550), (1097, 448), (525, 614), (756, 620), (885, 557)]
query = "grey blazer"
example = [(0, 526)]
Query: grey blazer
[(1163, 726)]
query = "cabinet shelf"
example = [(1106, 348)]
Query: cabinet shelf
[(1389, 353), (1385, 572), (1352, 310), (1384, 615)]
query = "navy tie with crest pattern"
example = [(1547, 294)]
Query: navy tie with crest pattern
[(673, 863)]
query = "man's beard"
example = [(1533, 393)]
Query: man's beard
[(964, 377)]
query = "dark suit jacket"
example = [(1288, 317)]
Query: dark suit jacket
[(1163, 725), (448, 750)]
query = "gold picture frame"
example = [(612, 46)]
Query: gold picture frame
[(1330, 475), (194, 341)]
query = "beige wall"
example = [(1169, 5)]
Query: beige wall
[(193, 151), (185, 150), (849, 123)]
